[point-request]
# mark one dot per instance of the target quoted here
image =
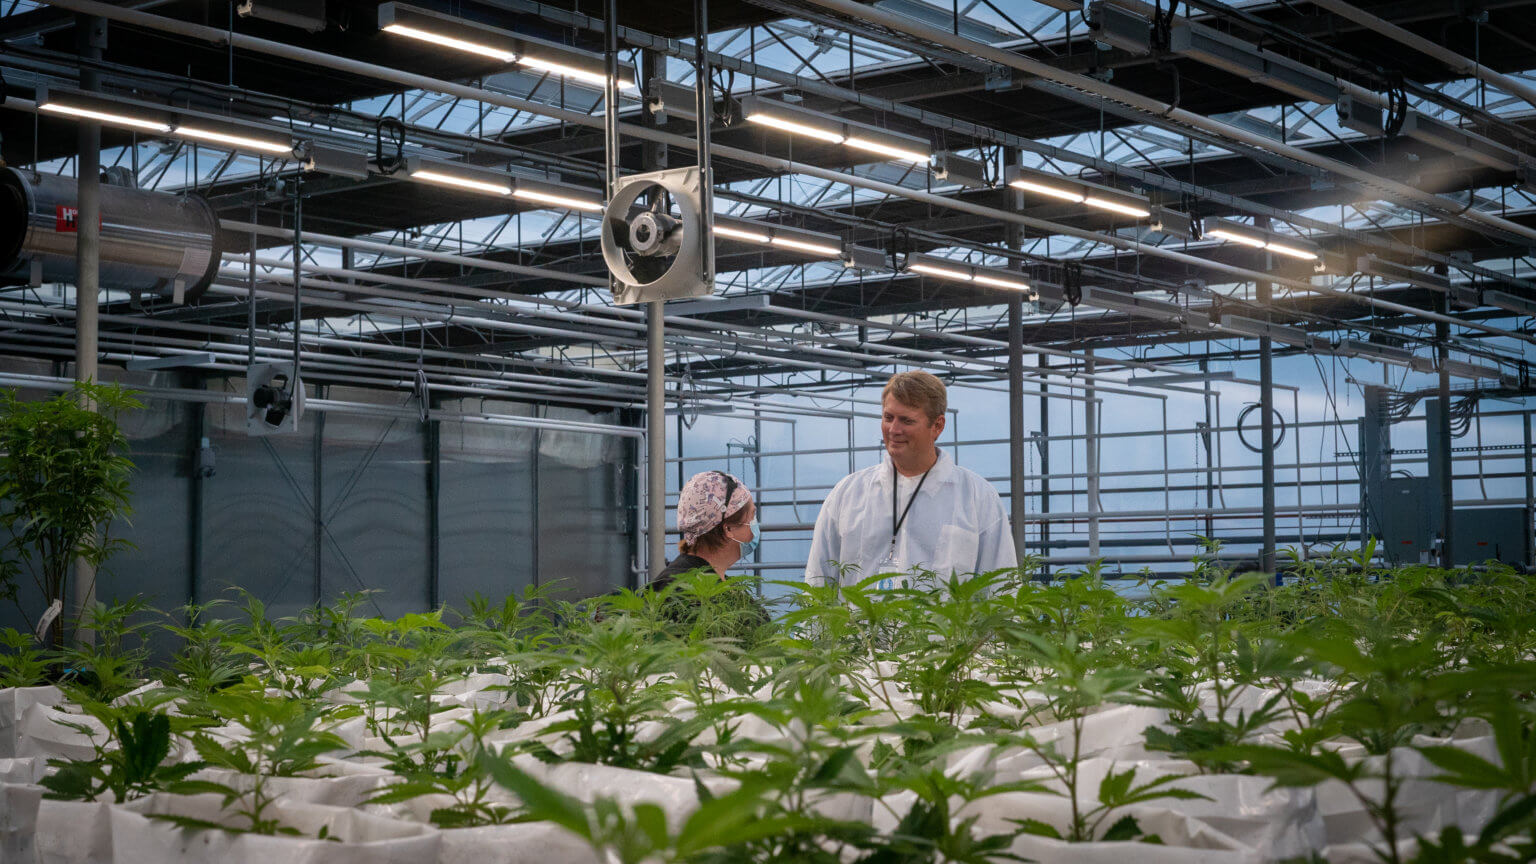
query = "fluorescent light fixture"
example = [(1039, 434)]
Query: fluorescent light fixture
[(1510, 302), (751, 236), (86, 106), (1113, 206), (239, 140), (982, 278), (941, 272), (791, 118), (335, 161), (834, 130), (1234, 237), (783, 236), (1134, 304), (668, 100), (1259, 238), (865, 258), (960, 271), (1246, 60), (1115, 27), (1078, 192), (1172, 222), (105, 117), (1370, 265), (804, 246), (557, 195), (1374, 352), (1290, 251), (797, 128), (470, 37), (1049, 191), (1474, 371), (306, 15), (887, 150), (460, 176), (954, 168), (1459, 142), (569, 61), (445, 41), (1278, 332), (1185, 377)]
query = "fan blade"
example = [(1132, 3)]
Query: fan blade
[(620, 233), (648, 270)]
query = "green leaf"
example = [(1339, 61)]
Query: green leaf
[(1037, 828), (1127, 828)]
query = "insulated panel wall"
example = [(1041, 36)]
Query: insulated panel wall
[(258, 512), (584, 544), (374, 510), (487, 518)]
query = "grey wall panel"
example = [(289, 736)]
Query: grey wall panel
[(258, 513), (584, 544), (487, 516), (374, 507)]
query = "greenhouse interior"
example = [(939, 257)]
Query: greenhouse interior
[(802, 431)]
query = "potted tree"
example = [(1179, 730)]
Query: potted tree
[(63, 479)]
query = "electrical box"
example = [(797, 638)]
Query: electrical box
[(1403, 521), (1500, 534)]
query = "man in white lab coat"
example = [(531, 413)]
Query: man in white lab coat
[(917, 509)]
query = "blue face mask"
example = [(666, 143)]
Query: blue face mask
[(750, 546)]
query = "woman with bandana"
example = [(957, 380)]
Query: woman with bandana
[(717, 519)]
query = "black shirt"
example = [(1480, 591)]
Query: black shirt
[(683, 563)]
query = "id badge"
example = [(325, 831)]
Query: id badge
[(888, 566)]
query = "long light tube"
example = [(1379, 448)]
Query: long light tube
[(1117, 207), (739, 234), (596, 79), (445, 41), (803, 246), (998, 282), (105, 117), (246, 142), (1260, 239), (904, 155), (557, 200), (1047, 190), (462, 182), (941, 272), (797, 128), (1234, 237)]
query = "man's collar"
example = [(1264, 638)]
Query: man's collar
[(943, 469)]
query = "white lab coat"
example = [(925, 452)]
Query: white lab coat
[(956, 525)]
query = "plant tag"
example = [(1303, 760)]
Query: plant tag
[(46, 621)]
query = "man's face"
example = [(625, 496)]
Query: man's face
[(906, 429)]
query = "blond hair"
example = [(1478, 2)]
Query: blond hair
[(918, 389)]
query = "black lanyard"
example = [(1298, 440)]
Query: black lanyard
[(895, 522)]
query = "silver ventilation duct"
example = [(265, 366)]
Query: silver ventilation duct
[(151, 242)]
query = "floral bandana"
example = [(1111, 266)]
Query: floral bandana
[(702, 505)]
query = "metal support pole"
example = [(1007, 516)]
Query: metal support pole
[(1443, 456), (91, 35), (655, 440), (1210, 474), (1017, 495), (1267, 423), (1045, 468), (1091, 456), (1530, 489)]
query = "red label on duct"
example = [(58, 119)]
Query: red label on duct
[(66, 220)]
